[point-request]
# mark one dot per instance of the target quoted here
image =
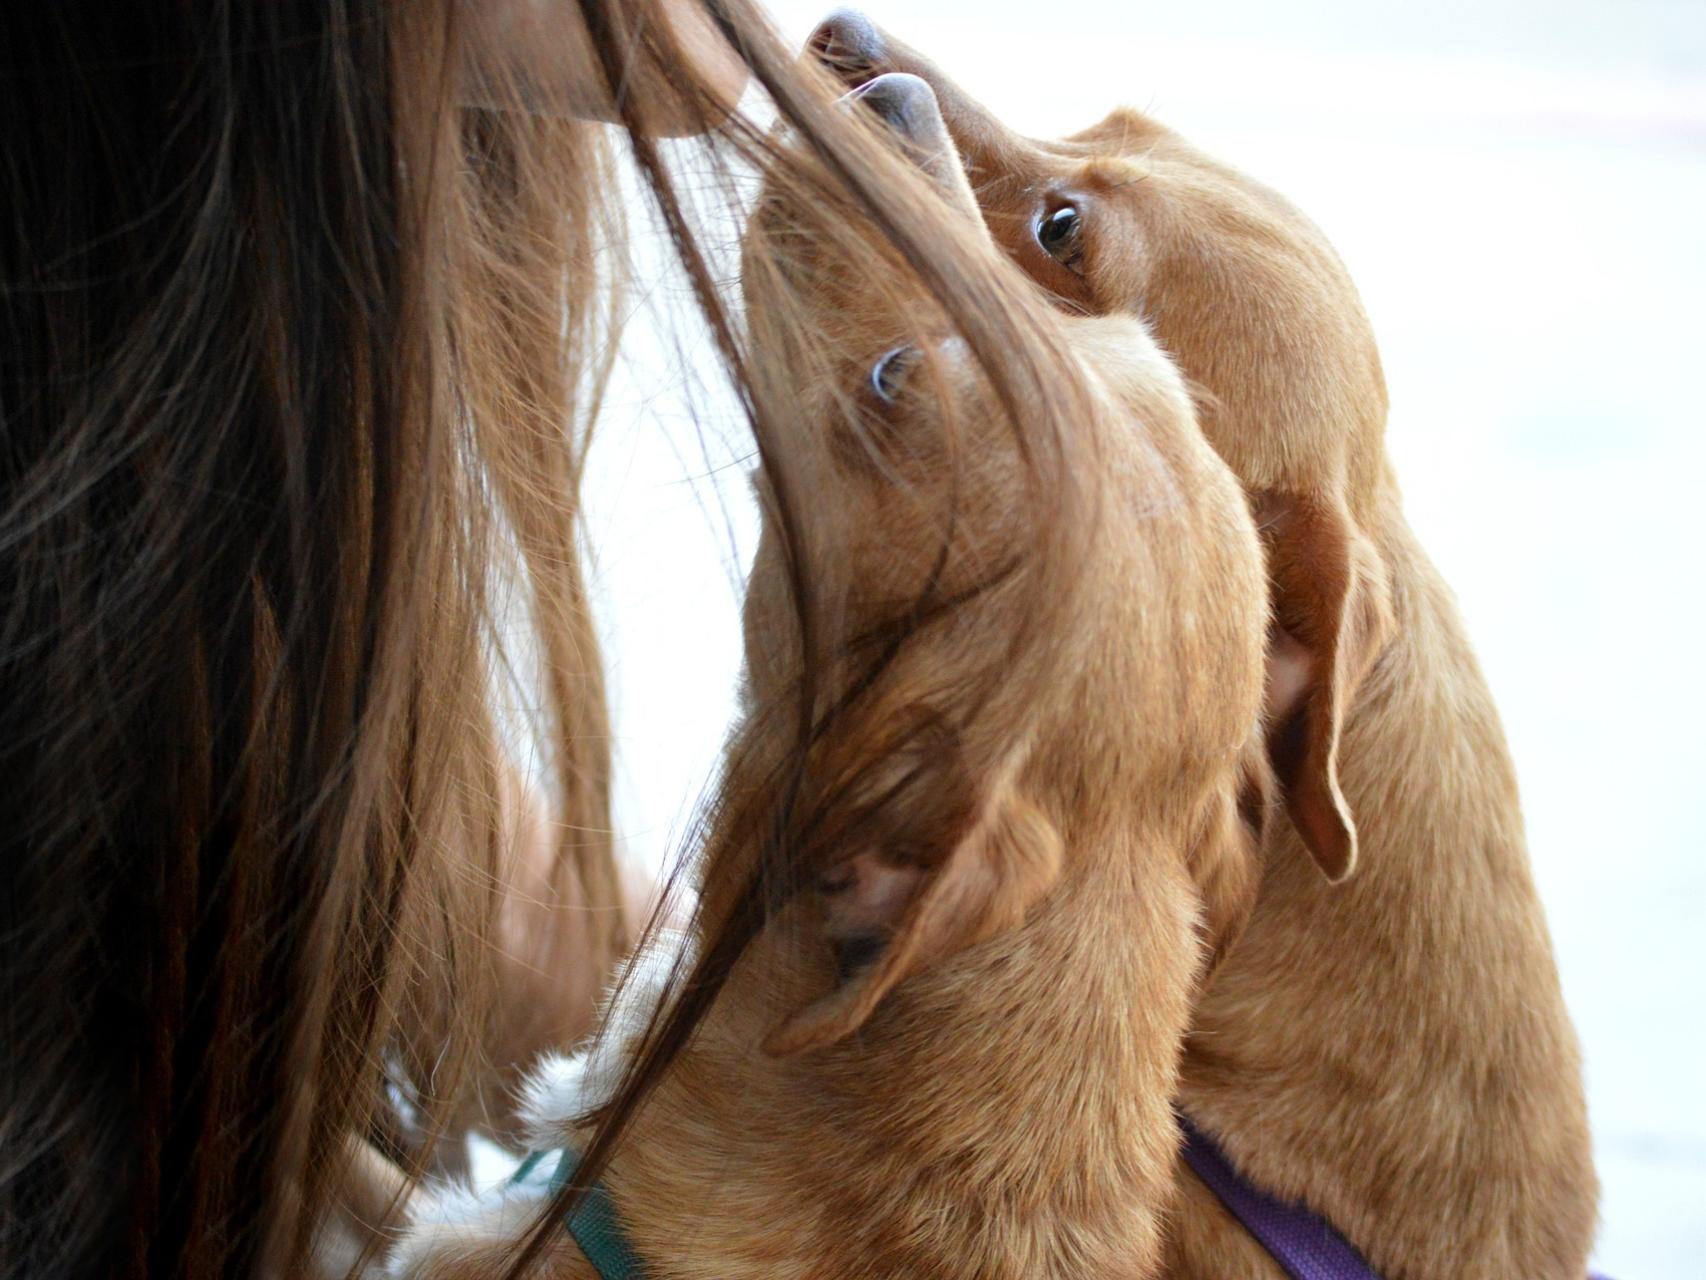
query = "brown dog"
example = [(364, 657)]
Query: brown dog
[(1393, 1051), (973, 1018)]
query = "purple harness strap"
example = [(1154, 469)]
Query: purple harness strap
[(1304, 1244)]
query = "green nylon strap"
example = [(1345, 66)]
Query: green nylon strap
[(592, 1222)]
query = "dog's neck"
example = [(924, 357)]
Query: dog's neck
[(1394, 1050), (1005, 1116)]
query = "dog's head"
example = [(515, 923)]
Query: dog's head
[(1024, 661), (1127, 218)]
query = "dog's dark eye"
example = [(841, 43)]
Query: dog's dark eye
[(1061, 235), (888, 375)]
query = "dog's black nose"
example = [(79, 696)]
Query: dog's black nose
[(908, 104), (849, 44)]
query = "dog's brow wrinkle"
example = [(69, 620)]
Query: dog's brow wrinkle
[(1110, 172)]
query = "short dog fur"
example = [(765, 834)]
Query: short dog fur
[(1392, 1050)]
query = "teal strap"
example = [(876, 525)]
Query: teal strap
[(593, 1222)]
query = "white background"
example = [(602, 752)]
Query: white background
[(1520, 191)]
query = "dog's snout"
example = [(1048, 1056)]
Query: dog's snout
[(908, 104), (849, 44)]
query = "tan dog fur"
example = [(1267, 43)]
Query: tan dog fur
[(1394, 1050), (990, 1095)]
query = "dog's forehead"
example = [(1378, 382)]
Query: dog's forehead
[(1093, 161), (1123, 131), (1110, 172), (1075, 169)]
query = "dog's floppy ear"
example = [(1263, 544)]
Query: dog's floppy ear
[(888, 915), (1332, 618)]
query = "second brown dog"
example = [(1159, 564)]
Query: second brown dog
[(1392, 1050)]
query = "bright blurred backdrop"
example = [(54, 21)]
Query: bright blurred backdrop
[(1520, 191)]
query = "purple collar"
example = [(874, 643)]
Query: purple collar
[(1304, 1244)]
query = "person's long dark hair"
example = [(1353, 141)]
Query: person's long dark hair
[(279, 359)]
